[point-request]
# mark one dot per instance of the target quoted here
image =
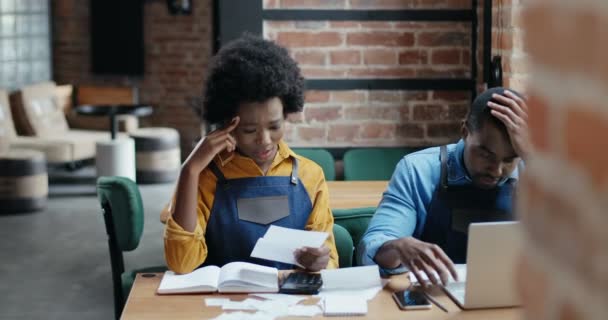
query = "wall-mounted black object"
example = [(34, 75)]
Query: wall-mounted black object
[(183, 7), (233, 18), (495, 72), (117, 37)]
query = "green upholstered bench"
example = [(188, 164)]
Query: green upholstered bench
[(373, 163), (349, 227), (322, 157)]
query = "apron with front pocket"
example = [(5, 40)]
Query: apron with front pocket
[(244, 208), (453, 208)]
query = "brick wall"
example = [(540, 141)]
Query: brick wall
[(176, 48), (378, 49), (507, 41), (564, 272)]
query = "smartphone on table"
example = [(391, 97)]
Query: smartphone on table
[(411, 300)]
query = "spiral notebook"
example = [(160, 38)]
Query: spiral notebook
[(344, 306)]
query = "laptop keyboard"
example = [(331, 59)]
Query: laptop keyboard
[(457, 290)]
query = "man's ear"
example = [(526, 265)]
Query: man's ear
[(464, 130)]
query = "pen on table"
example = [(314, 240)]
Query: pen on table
[(433, 300)]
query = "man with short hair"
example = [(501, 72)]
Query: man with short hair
[(422, 221)]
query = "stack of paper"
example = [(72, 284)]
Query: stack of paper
[(344, 306), (279, 244)]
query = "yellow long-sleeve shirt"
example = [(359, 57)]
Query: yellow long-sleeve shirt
[(184, 251)]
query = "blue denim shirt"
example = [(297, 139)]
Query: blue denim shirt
[(403, 209)]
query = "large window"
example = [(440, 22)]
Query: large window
[(25, 42)]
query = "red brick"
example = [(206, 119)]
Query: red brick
[(435, 39), (443, 130), (381, 4), (278, 25), (316, 4), (583, 128), (427, 112), (457, 111), (377, 25), (342, 132), (384, 96), (380, 38), (446, 56), (377, 131), (312, 133), (348, 96), (271, 4), (322, 114), (396, 72), (410, 130), (343, 24), (502, 40), (415, 95), (350, 57), (310, 25), (413, 57), (312, 72), (443, 71), (313, 96), (310, 57), (379, 56), (309, 39), (375, 113)]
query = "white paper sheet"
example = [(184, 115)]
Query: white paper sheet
[(247, 304), (216, 302), (279, 244), (289, 299), (365, 294), (351, 278)]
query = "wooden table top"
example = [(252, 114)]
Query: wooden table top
[(144, 303), (355, 194)]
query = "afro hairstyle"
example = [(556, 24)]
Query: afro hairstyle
[(251, 69)]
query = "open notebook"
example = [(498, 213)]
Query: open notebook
[(232, 277)]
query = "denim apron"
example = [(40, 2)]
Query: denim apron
[(453, 208), (244, 208)]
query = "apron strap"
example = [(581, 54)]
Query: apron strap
[(221, 179), (294, 171), (443, 155)]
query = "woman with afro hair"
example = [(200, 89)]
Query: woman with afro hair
[(242, 177)]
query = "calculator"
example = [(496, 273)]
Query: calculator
[(301, 283)]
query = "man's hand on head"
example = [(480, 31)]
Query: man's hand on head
[(512, 111)]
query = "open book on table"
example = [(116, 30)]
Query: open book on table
[(232, 277)]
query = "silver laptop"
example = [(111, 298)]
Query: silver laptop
[(488, 281)]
